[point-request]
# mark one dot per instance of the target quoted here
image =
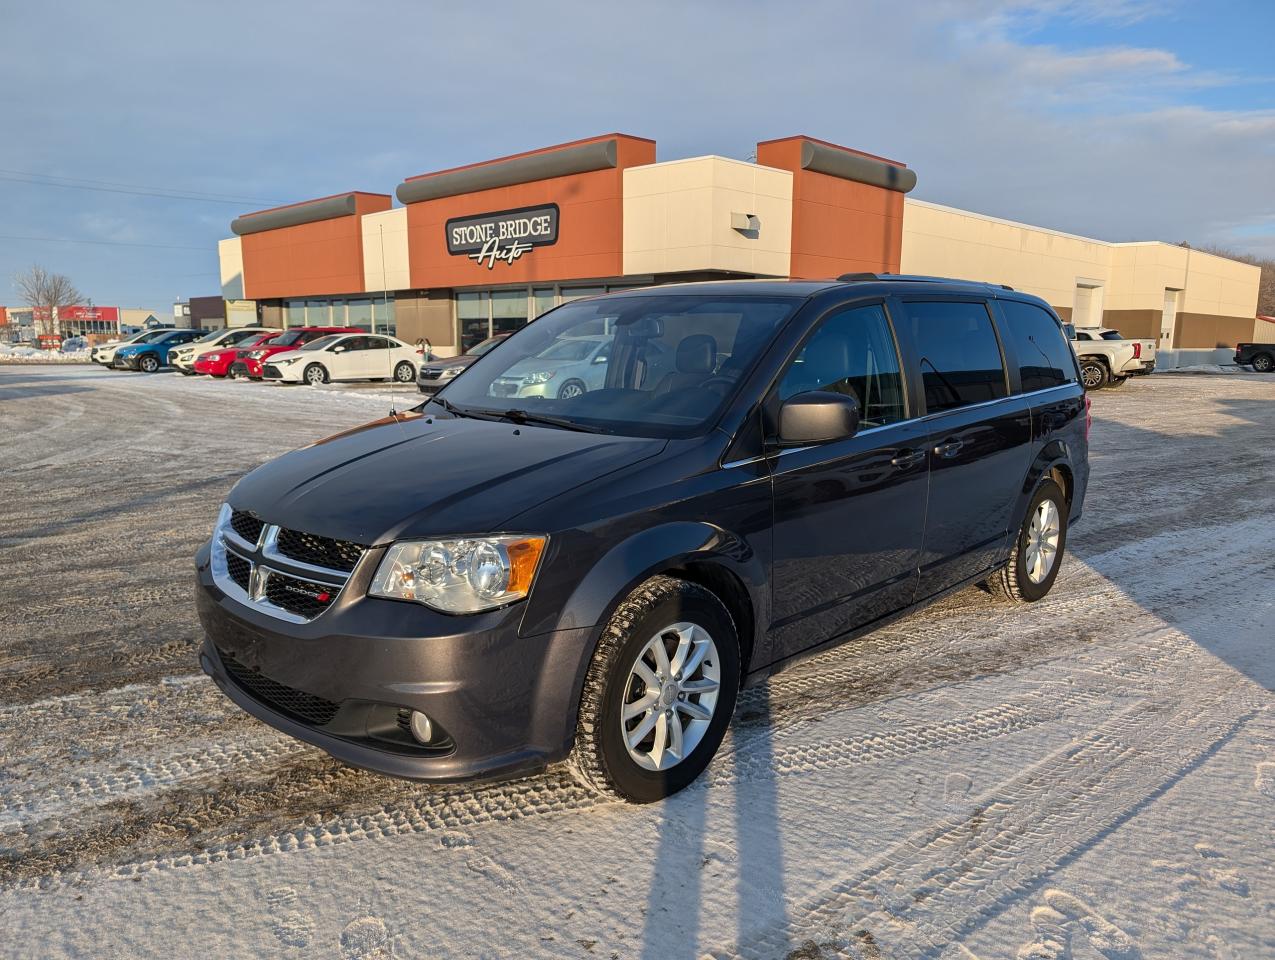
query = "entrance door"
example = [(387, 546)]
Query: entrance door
[(979, 440), (1169, 318), (848, 515)]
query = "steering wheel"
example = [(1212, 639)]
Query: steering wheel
[(717, 383)]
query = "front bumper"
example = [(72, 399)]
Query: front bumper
[(507, 702), (125, 363)]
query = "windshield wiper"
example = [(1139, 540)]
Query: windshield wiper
[(450, 407), (522, 416)]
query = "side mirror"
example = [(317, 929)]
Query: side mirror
[(601, 358), (338, 349), (817, 417)]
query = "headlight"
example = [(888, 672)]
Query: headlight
[(542, 376), (450, 371), (459, 576), (285, 361), (257, 354)]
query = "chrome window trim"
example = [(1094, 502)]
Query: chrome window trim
[(1070, 385)]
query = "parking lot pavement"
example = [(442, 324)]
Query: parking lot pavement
[(1093, 775)]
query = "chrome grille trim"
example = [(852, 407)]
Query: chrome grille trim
[(264, 564)]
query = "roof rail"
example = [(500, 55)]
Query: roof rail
[(916, 278)]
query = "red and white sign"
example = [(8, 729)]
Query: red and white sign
[(109, 314)]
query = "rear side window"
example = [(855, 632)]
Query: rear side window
[(1044, 356), (960, 356), (852, 353)]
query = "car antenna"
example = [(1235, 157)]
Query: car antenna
[(385, 298)]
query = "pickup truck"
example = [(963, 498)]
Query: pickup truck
[(1259, 356), (1109, 362)]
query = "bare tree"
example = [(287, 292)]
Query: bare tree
[(45, 292)]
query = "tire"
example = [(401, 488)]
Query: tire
[(1117, 381), (1263, 363), (148, 363), (601, 758), (572, 389), (405, 372), (315, 374), (1014, 581), (185, 373), (1093, 373)]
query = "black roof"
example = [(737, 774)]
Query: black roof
[(885, 283)]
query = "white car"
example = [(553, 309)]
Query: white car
[(345, 356), (183, 358)]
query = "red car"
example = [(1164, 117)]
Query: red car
[(217, 363), (286, 340)]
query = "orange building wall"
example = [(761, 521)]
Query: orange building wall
[(590, 225), (310, 259), (838, 226)]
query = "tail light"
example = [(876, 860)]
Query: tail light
[(1137, 351), (1088, 415)]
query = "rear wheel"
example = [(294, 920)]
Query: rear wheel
[(404, 372), (1038, 550), (316, 374), (1093, 373), (659, 692), (1264, 363), (149, 363)]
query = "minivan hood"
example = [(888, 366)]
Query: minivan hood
[(418, 476)]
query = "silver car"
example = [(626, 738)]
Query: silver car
[(567, 368)]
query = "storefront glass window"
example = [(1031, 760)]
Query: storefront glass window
[(508, 310), (542, 301), (473, 310), (575, 293), (360, 314), (383, 315), (317, 314), (295, 313)]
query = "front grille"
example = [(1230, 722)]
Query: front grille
[(319, 551), (270, 371), (297, 704), (430, 373), (305, 598), (247, 527), (505, 388), (239, 569)]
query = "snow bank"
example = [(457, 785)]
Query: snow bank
[(21, 353)]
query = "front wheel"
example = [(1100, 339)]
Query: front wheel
[(404, 372), (571, 389), (1038, 550), (1263, 363), (1094, 374), (316, 374), (149, 363), (659, 692)]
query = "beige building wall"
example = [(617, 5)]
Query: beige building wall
[(678, 217), (1181, 297), (230, 253), (385, 263)]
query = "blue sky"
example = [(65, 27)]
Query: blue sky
[(1122, 120)]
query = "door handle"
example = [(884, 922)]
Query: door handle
[(907, 458), (949, 448)]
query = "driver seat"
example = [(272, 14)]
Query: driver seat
[(695, 362)]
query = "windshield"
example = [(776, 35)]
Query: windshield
[(286, 339), (320, 344), (211, 336), (658, 366), (150, 336), (480, 349)]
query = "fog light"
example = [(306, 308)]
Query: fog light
[(420, 727)]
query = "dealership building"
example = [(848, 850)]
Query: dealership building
[(481, 249)]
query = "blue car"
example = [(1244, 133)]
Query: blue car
[(153, 354)]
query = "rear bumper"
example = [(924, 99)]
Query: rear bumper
[(507, 702)]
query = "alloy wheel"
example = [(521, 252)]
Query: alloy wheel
[(1091, 374), (670, 696), (1042, 541)]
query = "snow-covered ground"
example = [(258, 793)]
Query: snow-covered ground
[(1088, 777), (22, 353)]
